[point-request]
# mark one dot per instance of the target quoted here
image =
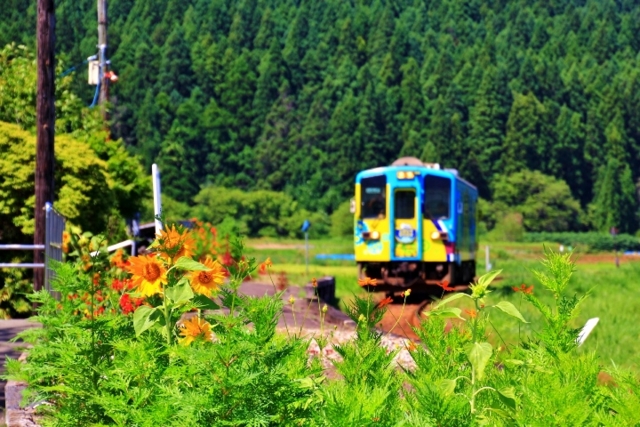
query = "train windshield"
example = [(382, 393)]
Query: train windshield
[(374, 198), (405, 204), (437, 197)]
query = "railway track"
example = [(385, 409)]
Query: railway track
[(401, 318)]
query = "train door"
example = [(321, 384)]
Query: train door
[(407, 217), (372, 220)]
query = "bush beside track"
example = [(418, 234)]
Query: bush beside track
[(590, 242)]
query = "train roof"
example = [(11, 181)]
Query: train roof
[(431, 169)]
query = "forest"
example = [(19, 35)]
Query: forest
[(297, 96)]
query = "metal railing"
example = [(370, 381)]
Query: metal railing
[(54, 227), (120, 245)]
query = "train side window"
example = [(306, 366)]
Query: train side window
[(374, 198), (437, 197), (405, 204)]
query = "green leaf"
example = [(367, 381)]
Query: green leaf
[(499, 412), (144, 318), (508, 397), (486, 279), (179, 293), (204, 303), (479, 354), (510, 309), (445, 312), (513, 362), (448, 387), (451, 299), (186, 263)]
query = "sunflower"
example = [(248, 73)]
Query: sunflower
[(173, 244), (195, 328), (148, 274), (206, 282)]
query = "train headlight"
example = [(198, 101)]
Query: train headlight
[(374, 235), (410, 175), (401, 175), (440, 235)]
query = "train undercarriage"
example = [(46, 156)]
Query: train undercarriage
[(395, 276)]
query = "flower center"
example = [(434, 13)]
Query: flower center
[(205, 277), (151, 272)]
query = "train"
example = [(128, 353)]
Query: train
[(414, 226)]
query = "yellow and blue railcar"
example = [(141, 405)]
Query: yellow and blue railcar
[(415, 224)]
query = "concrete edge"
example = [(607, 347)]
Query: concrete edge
[(15, 414)]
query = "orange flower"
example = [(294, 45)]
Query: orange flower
[(385, 302), (314, 282), (411, 346), (66, 238), (524, 289), (86, 259), (195, 328), (208, 281), (264, 267), (367, 282), (117, 260), (471, 313), (173, 244), (148, 274)]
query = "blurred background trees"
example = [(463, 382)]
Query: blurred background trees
[(295, 97)]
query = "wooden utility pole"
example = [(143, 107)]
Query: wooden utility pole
[(45, 127), (102, 45)]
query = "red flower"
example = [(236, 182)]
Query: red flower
[(117, 285), (524, 289), (445, 285), (385, 302), (227, 259), (125, 304)]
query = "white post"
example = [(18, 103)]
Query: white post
[(487, 262), (157, 201)]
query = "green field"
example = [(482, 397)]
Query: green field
[(614, 292)]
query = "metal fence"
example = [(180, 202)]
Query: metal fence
[(54, 227)]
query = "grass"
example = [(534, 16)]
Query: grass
[(613, 291), (612, 298), (289, 256)]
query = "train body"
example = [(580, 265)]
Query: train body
[(415, 224)]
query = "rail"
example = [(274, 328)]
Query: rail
[(54, 227), (117, 246)]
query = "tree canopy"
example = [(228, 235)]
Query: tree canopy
[(298, 96)]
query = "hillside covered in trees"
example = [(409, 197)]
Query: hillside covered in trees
[(299, 95)]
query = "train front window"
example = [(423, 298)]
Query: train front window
[(405, 204), (437, 197), (374, 198)]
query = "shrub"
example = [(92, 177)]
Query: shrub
[(342, 220), (170, 362), (257, 213), (545, 203), (102, 363), (509, 229)]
